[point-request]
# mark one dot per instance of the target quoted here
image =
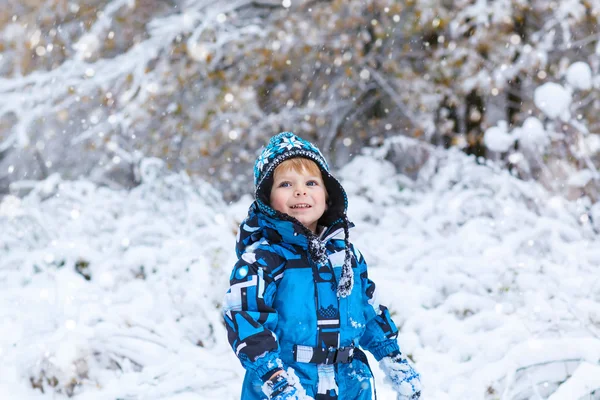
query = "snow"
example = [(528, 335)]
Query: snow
[(86, 46), (553, 99), (580, 178), (492, 281), (585, 380), (139, 319), (532, 135), (592, 142), (498, 139), (579, 76)]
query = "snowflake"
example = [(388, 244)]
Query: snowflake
[(263, 159), (290, 143)]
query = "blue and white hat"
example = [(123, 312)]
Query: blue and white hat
[(282, 147)]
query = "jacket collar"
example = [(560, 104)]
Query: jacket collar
[(281, 228)]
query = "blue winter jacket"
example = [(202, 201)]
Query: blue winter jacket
[(279, 297)]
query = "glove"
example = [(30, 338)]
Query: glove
[(284, 387), (402, 376)]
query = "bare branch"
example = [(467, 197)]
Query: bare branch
[(7, 145), (387, 88)]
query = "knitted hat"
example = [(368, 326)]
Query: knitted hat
[(282, 147)]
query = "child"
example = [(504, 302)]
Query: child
[(301, 305)]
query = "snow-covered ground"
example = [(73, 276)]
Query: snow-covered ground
[(493, 282)]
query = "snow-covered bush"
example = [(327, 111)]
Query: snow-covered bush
[(114, 292), (492, 279), (556, 146), (203, 83)]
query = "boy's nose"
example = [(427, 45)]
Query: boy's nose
[(299, 192)]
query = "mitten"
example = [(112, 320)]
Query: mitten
[(284, 387), (402, 376)]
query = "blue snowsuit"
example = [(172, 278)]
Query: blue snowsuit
[(280, 297)]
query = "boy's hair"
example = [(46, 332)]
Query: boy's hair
[(299, 165)]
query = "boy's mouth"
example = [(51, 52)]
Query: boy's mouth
[(301, 205)]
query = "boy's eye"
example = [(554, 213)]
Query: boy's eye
[(284, 184), (312, 183)]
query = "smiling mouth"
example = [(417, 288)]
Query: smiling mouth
[(300, 206)]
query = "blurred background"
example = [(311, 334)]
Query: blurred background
[(88, 88)]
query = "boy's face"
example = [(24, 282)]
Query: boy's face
[(300, 195)]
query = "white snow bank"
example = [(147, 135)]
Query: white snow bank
[(492, 281), (486, 275), (585, 380), (114, 294)]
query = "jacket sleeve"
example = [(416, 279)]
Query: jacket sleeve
[(380, 336), (249, 316)]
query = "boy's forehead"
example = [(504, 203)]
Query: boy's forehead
[(292, 173)]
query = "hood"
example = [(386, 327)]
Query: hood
[(264, 221), (282, 147)]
